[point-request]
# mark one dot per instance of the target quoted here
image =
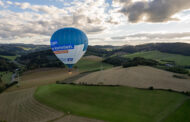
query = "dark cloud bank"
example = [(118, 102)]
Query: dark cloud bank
[(154, 10)]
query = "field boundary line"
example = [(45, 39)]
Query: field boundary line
[(162, 116)]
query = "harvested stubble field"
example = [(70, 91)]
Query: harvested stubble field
[(140, 77), (40, 77), (20, 106)]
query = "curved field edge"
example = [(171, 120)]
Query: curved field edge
[(182, 114), (87, 64), (110, 103)]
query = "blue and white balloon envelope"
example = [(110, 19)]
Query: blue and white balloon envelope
[(69, 45)]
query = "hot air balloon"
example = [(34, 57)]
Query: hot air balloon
[(69, 45)]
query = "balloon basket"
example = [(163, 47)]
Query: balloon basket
[(70, 73)]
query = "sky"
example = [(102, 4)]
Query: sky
[(106, 22)]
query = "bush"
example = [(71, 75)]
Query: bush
[(151, 88), (180, 77), (140, 61), (3, 121), (177, 69), (2, 87), (129, 64), (170, 90), (187, 93), (58, 82), (116, 60), (100, 83), (6, 65)]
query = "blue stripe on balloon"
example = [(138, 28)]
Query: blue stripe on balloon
[(70, 65), (70, 36)]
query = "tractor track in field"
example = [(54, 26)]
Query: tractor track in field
[(20, 106), (162, 116), (17, 104)]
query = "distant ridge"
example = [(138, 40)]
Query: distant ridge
[(174, 48), (102, 50)]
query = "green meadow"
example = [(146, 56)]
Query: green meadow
[(115, 104), (12, 58), (182, 114), (156, 55), (91, 65)]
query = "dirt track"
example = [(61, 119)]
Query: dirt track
[(140, 77)]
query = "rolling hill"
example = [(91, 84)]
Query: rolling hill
[(140, 77), (163, 57), (108, 103), (113, 104), (174, 48)]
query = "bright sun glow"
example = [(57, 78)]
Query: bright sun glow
[(139, 0), (144, 18)]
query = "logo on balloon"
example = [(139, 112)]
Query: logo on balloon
[(62, 47), (66, 59), (70, 59)]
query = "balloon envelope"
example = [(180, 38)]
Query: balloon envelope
[(69, 45)]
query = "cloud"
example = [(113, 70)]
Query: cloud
[(40, 8), (118, 37), (1, 3), (161, 35), (43, 20), (94, 29), (9, 2), (141, 38), (152, 11), (102, 22)]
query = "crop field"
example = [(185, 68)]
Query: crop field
[(40, 77), (6, 77), (24, 48), (140, 77), (20, 106), (45, 76), (114, 104), (9, 57), (70, 103), (156, 55)]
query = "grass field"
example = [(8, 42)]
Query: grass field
[(89, 64), (24, 48), (12, 58), (6, 77), (114, 104), (156, 55), (182, 114)]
